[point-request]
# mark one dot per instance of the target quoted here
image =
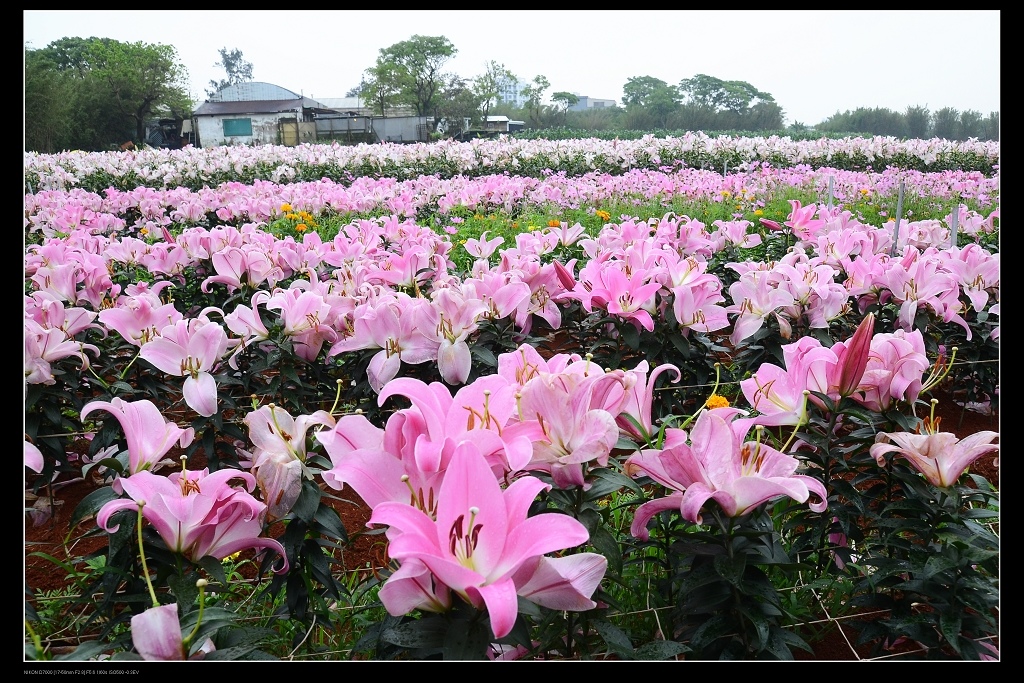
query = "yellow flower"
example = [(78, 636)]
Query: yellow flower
[(864, 191), (478, 216), (301, 227), (143, 231), (758, 212), (603, 215), (554, 223), (286, 208), (726, 194), (716, 401)]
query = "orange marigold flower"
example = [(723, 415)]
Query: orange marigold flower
[(716, 401), (286, 208), (301, 227), (554, 223), (603, 215)]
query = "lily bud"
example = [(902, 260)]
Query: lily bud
[(853, 359), (565, 278)]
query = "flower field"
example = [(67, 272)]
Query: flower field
[(652, 399)]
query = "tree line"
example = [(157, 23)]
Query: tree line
[(96, 93)]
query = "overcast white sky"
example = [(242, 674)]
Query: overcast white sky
[(814, 63)]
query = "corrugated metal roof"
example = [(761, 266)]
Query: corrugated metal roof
[(254, 107)]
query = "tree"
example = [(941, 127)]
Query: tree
[(116, 87), (49, 104), (971, 125), (991, 126), (917, 119), (563, 101), (638, 90), (383, 85), (719, 95), (420, 61), (534, 94), (489, 86), (946, 123), (237, 69), (457, 103)]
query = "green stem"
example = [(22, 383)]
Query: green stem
[(736, 597), (126, 368), (826, 467), (142, 554), (201, 585), (36, 641)]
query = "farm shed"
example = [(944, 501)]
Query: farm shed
[(256, 113)]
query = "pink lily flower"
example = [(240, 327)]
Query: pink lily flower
[(719, 464), (756, 299), (191, 349), (449, 320), (138, 319), (33, 457), (44, 346), (565, 428), (481, 536), (197, 513), (412, 587), (304, 316), (50, 312), (562, 583), (482, 248), (895, 370), (148, 434), (391, 327), (639, 401), (156, 635), (381, 466), (939, 456), (278, 461), (802, 222)]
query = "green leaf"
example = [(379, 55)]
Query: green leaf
[(84, 652), (630, 335), (949, 626), (731, 568), (467, 639), (615, 638), (330, 523), (184, 590), (711, 630), (660, 649), (215, 568), (309, 500), (936, 564), (422, 633), (91, 504), (605, 481), (605, 543)]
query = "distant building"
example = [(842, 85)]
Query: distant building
[(255, 113), (513, 94), (586, 103)]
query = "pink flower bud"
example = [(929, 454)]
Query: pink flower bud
[(853, 359)]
